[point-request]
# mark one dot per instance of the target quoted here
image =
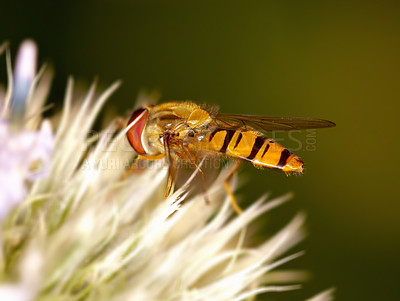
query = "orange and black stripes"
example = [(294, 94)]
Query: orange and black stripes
[(227, 140), (253, 147), (228, 135), (284, 157), (265, 150), (212, 135), (258, 143), (238, 139)]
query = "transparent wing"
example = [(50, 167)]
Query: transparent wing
[(268, 124)]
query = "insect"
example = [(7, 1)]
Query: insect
[(188, 131)]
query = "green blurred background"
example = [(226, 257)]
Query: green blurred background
[(337, 60)]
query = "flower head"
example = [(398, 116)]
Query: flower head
[(24, 153), (84, 228)]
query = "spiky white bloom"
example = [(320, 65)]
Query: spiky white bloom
[(18, 154), (24, 153), (324, 296), (87, 230)]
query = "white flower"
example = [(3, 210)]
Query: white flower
[(323, 296), (88, 230), (24, 154), (19, 153)]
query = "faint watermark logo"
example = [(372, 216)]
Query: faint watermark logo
[(297, 140)]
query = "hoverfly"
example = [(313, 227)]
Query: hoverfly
[(191, 132)]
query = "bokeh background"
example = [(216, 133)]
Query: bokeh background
[(337, 60)]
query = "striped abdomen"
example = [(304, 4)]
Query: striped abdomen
[(249, 145)]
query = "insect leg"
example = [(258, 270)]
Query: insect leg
[(171, 176), (193, 162), (228, 189), (171, 166)]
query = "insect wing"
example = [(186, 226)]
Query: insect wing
[(268, 124)]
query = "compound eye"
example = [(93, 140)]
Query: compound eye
[(134, 134)]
